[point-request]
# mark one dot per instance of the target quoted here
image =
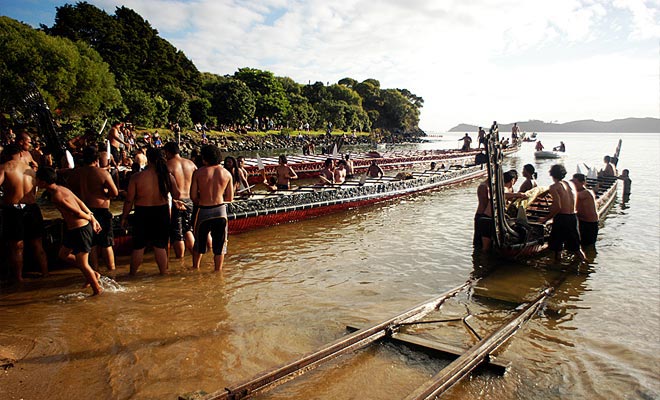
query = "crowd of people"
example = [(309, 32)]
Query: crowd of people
[(172, 200), (573, 209)]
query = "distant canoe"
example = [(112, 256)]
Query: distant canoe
[(549, 154)]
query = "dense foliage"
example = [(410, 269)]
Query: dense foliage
[(73, 63)]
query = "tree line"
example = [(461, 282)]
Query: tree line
[(91, 65)]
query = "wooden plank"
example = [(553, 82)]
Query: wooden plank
[(497, 365), (348, 343), (469, 360)]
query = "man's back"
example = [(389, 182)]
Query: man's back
[(145, 186), (210, 184), (18, 182), (93, 185), (182, 169), (586, 206), (563, 193)]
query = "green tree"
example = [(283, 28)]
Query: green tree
[(135, 52), (269, 95), (232, 102), (199, 110), (72, 77), (141, 107)]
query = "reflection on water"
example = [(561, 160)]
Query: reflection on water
[(289, 289)]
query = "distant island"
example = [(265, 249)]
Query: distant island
[(631, 125)]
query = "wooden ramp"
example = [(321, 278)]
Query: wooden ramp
[(465, 360)]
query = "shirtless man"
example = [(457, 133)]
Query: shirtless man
[(21, 216), (114, 136), (284, 174), (95, 187), (148, 190), (211, 188), (24, 142), (565, 231), (539, 146), (609, 169), (482, 137), (375, 171), (327, 175), (466, 142), (140, 162), (80, 223), (181, 236), (340, 172), (244, 185), (587, 212), (482, 238), (484, 215), (515, 133), (350, 167)]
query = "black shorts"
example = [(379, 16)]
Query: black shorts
[(486, 226), (105, 238), (79, 240), (116, 154), (151, 225), (282, 187), (22, 222), (565, 233), (476, 240), (211, 219), (588, 233), (181, 221)]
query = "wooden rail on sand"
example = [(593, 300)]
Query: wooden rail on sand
[(351, 342)]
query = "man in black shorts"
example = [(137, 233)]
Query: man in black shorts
[(21, 216), (79, 220), (564, 211)]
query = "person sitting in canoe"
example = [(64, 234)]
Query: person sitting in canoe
[(327, 176), (375, 171), (284, 174), (340, 172), (609, 169)]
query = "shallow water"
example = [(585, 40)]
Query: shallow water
[(289, 289)]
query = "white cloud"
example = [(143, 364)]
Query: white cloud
[(468, 59)]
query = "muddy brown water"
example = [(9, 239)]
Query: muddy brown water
[(289, 289)]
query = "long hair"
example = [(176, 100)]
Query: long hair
[(155, 157), (233, 168)]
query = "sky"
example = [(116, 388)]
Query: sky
[(473, 61)]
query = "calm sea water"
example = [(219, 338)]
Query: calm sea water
[(289, 289)]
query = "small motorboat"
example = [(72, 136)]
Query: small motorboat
[(548, 154)]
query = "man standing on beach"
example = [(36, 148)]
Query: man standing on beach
[(148, 190), (564, 212), (80, 223), (21, 216), (95, 187), (466, 142), (181, 236), (211, 188)]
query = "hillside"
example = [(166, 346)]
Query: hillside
[(633, 125)]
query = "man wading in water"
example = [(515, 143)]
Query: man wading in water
[(211, 188), (565, 231), (80, 224), (148, 190)]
